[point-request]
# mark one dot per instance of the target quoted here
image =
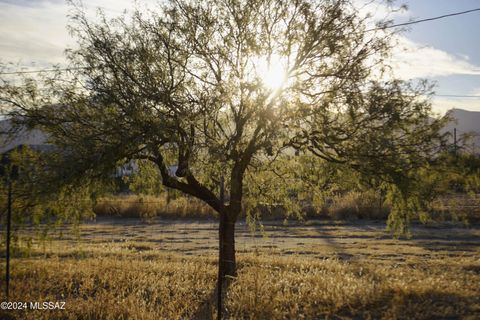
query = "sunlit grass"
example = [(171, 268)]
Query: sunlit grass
[(151, 206), (348, 206), (137, 281)]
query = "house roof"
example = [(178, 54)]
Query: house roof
[(9, 139)]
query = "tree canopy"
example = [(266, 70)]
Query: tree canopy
[(221, 88)]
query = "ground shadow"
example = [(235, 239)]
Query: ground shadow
[(208, 308), (431, 304)]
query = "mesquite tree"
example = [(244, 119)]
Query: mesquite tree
[(217, 88)]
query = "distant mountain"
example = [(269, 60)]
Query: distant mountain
[(466, 122)]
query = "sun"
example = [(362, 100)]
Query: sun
[(272, 72)]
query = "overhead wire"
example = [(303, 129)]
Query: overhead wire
[(423, 20), (456, 96), (42, 70)]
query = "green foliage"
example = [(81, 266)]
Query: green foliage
[(270, 188), (40, 201), (466, 168), (145, 180), (416, 197), (306, 185)]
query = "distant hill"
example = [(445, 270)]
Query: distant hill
[(467, 122)]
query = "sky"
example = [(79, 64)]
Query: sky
[(33, 35)]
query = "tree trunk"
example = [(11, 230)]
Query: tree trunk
[(227, 261), (226, 258)]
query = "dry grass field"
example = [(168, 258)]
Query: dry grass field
[(349, 206), (130, 269)]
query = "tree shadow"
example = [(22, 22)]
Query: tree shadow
[(430, 304), (208, 308)]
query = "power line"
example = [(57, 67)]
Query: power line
[(455, 96), (423, 20), (42, 70)]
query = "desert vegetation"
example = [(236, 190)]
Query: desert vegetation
[(352, 205), (147, 206)]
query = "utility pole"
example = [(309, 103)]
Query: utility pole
[(9, 225), (223, 221), (455, 141), (10, 173)]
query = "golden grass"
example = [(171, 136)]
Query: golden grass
[(134, 206), (360, 205), (135, 282), (349, 206), (113, 287), (305, 288)]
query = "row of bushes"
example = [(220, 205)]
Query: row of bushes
[(348, 206), (132, 206), (351, 205)]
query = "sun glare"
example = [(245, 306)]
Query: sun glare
[(273, 73)]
